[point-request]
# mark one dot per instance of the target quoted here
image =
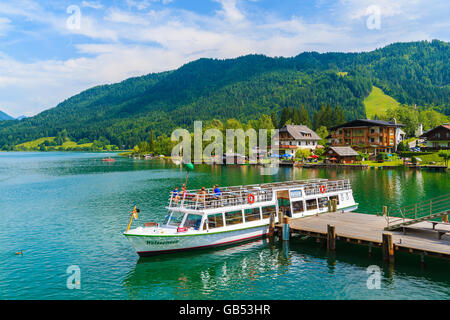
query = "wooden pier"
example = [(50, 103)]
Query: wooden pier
[(424, 238)]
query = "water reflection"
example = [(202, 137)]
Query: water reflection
[(253, 269)]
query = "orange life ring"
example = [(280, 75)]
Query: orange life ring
[(322, 189), (251, 198)]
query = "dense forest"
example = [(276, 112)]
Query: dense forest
[(245, 88)]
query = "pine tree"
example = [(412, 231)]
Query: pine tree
[(274, 119), (338, 116), (150, 142), (303, 117), (285, 116)]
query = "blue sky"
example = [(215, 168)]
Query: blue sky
[(51, 50)]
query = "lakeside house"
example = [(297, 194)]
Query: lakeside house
[(341, 155), (368, 136), (437, 138), (290, 138)]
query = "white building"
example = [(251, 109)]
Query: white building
[(293, 137)]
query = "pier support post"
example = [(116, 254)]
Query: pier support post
[(388, 248), (271, 224), (331, 238), (286, 232)]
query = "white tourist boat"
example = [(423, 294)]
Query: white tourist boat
[(235, 214)]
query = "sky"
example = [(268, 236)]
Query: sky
[(52, 50)]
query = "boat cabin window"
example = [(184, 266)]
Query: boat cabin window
[(335, 197), (176, 218), (233, 217), (193, 221), (311, 204), (252, 214), (266, 211), (215, 221), (323, 202), (297, 206)]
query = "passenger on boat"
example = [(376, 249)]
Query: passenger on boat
[(216, 191), (176, 195), (202, 195)]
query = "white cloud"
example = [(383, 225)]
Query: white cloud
[(230, 10), (92, 4)]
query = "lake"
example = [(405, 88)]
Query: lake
[(70, 209)]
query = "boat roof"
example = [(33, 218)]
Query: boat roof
[(238, 195)]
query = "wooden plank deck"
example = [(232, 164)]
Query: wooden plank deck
[(368, 229)]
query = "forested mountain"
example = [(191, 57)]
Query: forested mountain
[(4, 116), (244, 88)]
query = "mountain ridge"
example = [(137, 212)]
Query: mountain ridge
[(243, 88)]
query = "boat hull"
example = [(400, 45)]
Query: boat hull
[(150, 245)]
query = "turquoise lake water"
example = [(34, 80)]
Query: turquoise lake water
[(70, 209)]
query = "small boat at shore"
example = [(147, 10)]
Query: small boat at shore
[(199, 220)]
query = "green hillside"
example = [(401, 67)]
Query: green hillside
[(377, 103), (243, 88)]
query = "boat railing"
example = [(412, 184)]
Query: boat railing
[(241, 195), (211, 200), (330, 186)]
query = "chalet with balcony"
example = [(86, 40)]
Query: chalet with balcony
[(293, 137), (437, 138), (368, 136)]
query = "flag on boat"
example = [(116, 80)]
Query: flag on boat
[(135, 212)]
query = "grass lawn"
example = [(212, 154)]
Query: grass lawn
[(34, 144), (397, 162), (377, 103)]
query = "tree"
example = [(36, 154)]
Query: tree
[(302, 153), (285, 116), (304, 117), (445, 155), (151, 141), (323, 133), (274, 119), (338, 116)]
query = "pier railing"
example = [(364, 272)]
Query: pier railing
[(418, 212)]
